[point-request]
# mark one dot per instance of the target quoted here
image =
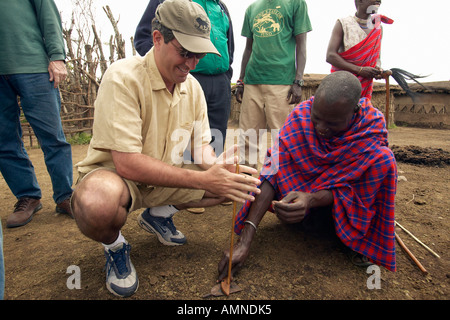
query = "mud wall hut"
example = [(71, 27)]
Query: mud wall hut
[(429, 107)]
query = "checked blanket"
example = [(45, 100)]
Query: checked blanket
[(366, 53), (357, 167)]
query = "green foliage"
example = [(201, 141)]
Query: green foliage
[(80, 138), (392, 126)]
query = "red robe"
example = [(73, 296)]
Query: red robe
[(366, 54)]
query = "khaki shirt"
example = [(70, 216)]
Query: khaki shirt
[(134, 112)]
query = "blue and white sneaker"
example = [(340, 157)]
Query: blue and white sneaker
[(162, 227), (121, 277)]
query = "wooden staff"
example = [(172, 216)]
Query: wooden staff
[(415, 238), (225, 284), (386, 74), (410, 254)]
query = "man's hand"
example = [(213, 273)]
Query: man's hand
[(369, 72), (58, 72), (293, 207), (240, 254), (295, 94), (223, 179), (239, 93)]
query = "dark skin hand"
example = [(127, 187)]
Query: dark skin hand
[(239, 94), (291, 209), (295, 94), (242, 247)]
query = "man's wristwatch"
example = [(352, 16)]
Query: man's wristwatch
[(299, 82)]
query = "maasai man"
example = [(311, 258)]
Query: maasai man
[(355, 44), (331, 155)]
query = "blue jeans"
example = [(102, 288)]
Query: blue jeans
[(41, 104), (2, 265)]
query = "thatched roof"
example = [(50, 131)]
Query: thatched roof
[(313, 80), (436, 86), (428, 87)]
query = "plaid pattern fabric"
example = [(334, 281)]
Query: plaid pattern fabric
[(366, 54), (358, 167)]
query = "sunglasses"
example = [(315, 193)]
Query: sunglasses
[(187, 54)]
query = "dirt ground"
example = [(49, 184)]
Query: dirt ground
[(285, 262)]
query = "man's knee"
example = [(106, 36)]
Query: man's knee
[(99, 196)]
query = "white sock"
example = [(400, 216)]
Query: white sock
[(119, 239), (166, 211)]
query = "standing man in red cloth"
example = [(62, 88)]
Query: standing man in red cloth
[(355, 44)]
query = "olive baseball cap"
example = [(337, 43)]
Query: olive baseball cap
[(189, 23)]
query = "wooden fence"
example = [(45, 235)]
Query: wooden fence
[(86, 64), (71, 126)]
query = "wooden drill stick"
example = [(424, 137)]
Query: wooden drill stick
[(225, 285)]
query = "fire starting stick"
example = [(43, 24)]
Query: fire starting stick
[(226, 286)]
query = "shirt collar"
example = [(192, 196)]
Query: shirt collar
[(156, 80)]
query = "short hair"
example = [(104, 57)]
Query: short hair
[(166, 32), (340, 85)]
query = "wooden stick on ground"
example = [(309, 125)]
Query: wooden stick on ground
[(410, 254), (415, 238)]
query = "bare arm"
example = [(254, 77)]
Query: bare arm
[(242, 248), (300, 40), (295, 93), (245, 58), (333, 57), (290, 209), (218, 179)]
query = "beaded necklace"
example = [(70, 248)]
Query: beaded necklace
[(362, 22)]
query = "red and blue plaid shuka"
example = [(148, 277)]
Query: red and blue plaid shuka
[(357, 167), (366, 53)]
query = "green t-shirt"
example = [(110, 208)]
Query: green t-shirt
[(30, 36), (212, 63), (273, 25)]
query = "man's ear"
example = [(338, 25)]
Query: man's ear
[(157, 38), (358, 107)]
